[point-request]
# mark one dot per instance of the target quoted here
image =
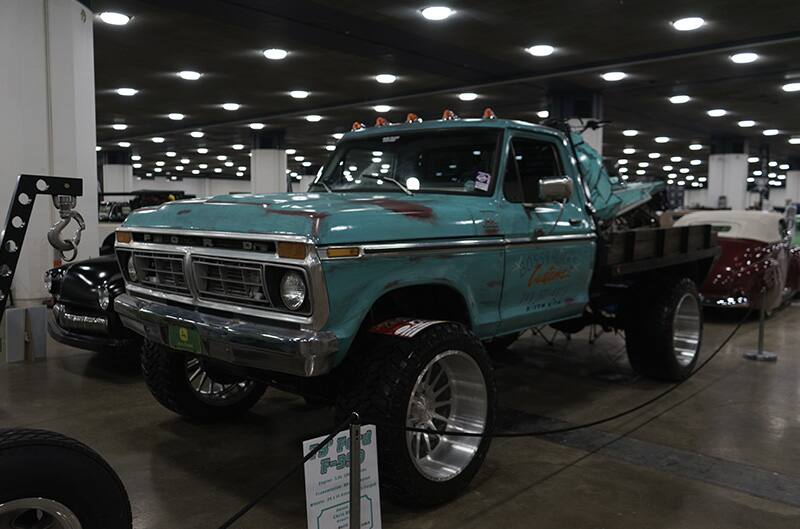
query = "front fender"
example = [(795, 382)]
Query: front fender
[(354, 285)]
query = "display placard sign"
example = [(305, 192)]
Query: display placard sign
[(327, 477)]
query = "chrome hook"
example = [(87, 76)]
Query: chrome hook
[(65, 205)]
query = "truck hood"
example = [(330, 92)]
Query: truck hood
[(327, 218)]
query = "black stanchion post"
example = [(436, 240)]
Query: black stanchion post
[(355, 472), (761, 354)]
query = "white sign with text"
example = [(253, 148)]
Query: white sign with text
[(327, 477)]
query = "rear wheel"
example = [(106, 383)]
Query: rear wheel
[(54, 482), (664, 330), (441, 379), (191, 387)]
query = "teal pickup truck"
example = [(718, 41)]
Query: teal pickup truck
[(419, 249)]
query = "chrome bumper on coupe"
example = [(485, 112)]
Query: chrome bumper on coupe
[(302, 352)]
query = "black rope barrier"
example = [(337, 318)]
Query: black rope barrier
[(535, 433)]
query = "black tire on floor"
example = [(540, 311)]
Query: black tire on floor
[(501, 343), (40, 467), (659, 344), (165, 372), (378, 382)]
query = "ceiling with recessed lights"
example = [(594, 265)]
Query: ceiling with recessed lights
[(204, 75)]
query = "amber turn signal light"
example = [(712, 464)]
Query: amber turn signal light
[(353, 251), (124, 237), (291, 250)]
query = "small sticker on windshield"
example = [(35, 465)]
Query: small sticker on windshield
[(482, 181), (390, 139)]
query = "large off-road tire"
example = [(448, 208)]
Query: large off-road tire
[(664, 330), (51, 481), (396, 382), (188, 386)]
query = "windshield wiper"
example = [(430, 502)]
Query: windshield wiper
[(389, 179), (321, 183)]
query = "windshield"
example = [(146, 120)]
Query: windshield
[(458, 161)]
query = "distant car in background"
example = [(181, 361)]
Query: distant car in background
[(757, 251)]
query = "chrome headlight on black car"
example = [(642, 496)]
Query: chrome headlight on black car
[(293, 290), (103, 297)]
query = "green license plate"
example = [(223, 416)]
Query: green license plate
[(184, 339)]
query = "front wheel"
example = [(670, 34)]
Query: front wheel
[(440, 379), (664, 329), (52, 481), (191, 387)]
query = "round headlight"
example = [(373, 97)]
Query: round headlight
[(293, 290), (103, 297), (132, 275), (48, 280)]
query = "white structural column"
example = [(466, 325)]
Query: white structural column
[(268, 171), (792, 187), (117, 178), (727, 176), (47, 120)]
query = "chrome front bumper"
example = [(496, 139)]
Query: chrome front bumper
[(262, 346)]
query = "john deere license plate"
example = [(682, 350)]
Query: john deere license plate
[(184, 339)]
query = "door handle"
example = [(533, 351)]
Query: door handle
[(575, 222)]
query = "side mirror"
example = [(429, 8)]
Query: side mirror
[(555, 189)]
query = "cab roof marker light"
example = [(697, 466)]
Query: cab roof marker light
[(413, 118), (357, 125), (381, 121), (488, 113), (448, 115)]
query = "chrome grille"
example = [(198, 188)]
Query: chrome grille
[(161, 271), (237, 282)]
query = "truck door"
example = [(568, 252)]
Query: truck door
[(550, 246)]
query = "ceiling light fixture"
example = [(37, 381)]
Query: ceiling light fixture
[(97, 148), (119, 126), (747, 123), (662, 139), (313, 118), (543, 114), (379, 108), (695, 147), (299, 94), (795, 140), (231, 107), (753, 159), (468, 96), (696, 162), (299, 158), (630, 132), (540, 50), (330, 147), (679, 99), (160, 163), (127, 92), (688, 23), (791, 87), (222, 157), (654, 155), (237, 146), (197, 134), (175, 116), (256, 126), (629, 150), (171, 154), (124, 144), (744, 58), (228, 164), (136, 157), (114, 19), (437, 13), (771, 132), (291, 151), (675, 159), (337, 135), (386, 78), (717, 112), (202, 150), (614, 76), (189, 75), (185, 161), (275, 54)]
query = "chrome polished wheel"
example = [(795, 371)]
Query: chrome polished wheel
[(37, 513), (686, 330), (450, 394), (215, 389)]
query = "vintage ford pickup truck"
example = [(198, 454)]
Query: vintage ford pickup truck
[(420, 247)]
